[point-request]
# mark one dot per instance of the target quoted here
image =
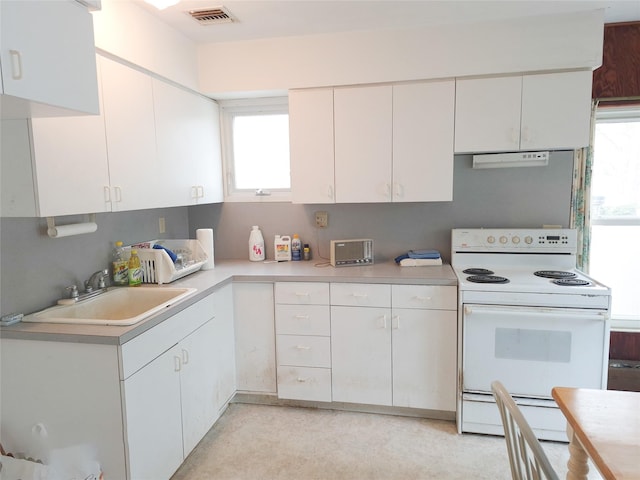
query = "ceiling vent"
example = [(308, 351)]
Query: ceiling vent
[(209, 16)]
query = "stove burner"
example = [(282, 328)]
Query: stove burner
[(572, 282), (554, 274), (487, 279), (478, 271)]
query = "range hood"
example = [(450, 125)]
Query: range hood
[(516, 159)]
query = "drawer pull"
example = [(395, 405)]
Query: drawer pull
[(422, 299), (301, 317), (177, 363), (302, 347), (395, 318), (302, 294), (185, 356), (360, 295), (301, 380), (383, 321)]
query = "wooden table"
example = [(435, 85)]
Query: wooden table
[(605, 425)]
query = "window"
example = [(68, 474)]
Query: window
[(615, 211), (255, 140)]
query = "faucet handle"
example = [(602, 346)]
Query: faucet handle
[(73, 291)]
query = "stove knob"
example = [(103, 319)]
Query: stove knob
[(503, 239), (491, 239), (516, 239), (528, 240)]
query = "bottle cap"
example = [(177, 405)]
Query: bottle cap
[(118, 243), (134, 252), (295, 235)]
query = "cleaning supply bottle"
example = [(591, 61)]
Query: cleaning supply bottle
[(135, 270), (296, 248), (282, 248), (120, 265), (306, 252), (256, 245)]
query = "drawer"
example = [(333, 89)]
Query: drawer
[(303, 320), (433, 297), (303, 351), (304, 383), (361, 294), (302, 293)]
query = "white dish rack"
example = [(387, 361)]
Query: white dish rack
[(157, 266)]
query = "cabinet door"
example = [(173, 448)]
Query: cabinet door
[(363, 144), (188, 144), (311, 145), (48, 54), (198, 384), (153, 419), (424, 359), (255, 337), (71, 166), (488, 114), (135, 178), (361, 355), (423, 141), (556, 110), (223, 347)]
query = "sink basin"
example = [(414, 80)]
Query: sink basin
[(118, 306)]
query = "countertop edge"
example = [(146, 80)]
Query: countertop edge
[(208, 281)]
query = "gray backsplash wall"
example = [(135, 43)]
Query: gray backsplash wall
[(506, 197), (35, 269)]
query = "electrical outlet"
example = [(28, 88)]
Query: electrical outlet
[(161, 225), (322, 219)]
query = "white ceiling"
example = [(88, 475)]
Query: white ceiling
[(281, 18)]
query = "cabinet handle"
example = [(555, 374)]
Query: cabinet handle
[(398, 190), (177, 366), (200, 191), (118, 192), (397, 322), (16, 64), (107, 194), (194, 192), (301, 380), (422, 299), (330, 192), (360, 295), (302, 347), (301, 317), (185, 356), (302, 294), (383, 322)]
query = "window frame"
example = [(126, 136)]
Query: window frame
[(229, 109)]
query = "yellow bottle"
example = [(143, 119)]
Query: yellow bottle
[(135, 271)]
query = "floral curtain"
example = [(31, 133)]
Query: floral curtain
[(581, 195)]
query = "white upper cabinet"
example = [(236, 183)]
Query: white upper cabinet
[(544, 111), (363, 143), (131, 137), (311, 145), (188, 144), (423, 141), (47, 59)]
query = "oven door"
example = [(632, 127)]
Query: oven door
[(533, 349)]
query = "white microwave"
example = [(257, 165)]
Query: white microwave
[(354, 252)]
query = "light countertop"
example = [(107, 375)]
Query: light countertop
[(207, 281)]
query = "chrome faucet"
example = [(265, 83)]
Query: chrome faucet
[(98, 277)]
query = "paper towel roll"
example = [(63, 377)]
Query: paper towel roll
[(205, 237), (73, 229)]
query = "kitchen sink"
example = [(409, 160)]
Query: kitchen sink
[(116, 306)]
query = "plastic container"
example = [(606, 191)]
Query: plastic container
[(282, 248), (256, 245), (296, 248), (306, 252), (119, 265), (135, 270)]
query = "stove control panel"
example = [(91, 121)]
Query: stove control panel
[(562, 240)]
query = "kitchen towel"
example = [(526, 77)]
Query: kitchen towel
[(205, 237)]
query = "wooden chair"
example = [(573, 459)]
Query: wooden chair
[(526, 456)]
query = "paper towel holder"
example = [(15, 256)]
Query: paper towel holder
[(72, 229)]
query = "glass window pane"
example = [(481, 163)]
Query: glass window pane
[(261, 152), (615, 188)]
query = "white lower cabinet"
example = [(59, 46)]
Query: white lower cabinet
[(255, 337), (394, 345), (141, 406), (303, 341)]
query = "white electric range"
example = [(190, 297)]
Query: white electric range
[(528, 318)]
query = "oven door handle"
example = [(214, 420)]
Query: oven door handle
[(542, 311)]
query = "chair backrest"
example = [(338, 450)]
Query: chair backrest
[(526, 456)]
